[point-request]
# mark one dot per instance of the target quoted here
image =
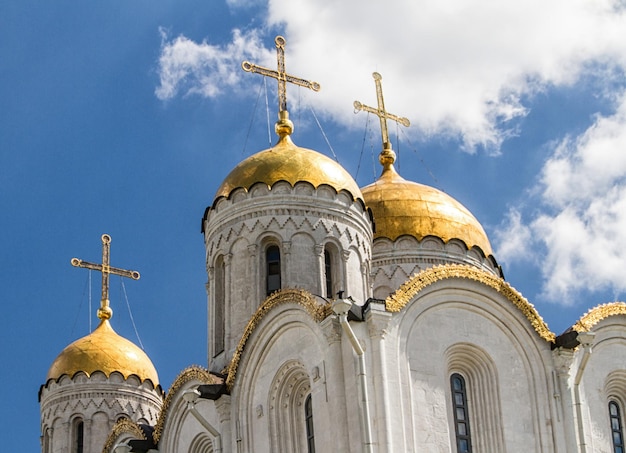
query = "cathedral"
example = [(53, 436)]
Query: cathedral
[(345, 319)]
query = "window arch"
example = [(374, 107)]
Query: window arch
[(201, 444), (272, 275), (615, 391), (308, 420), (328, 273), (461, 414), (482, 395), (290, 410), (219, 307), (78, 436), (45, 441), (332, 271), (617, 432)]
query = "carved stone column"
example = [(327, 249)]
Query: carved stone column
[(254, 271), (321, 270), (223, 407), (564, 400)]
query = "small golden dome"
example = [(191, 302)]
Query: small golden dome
[(404, 207), (288, 162), (103, 350)]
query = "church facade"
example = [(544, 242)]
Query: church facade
[(348, 319)]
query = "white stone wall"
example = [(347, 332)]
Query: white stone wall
[(454, 325), (458, 326), (99, 402), (289, 344)]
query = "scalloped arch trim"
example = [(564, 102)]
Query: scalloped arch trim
[(597, 314), (295, 296), (191, 373), (123, 426), (398, 300)]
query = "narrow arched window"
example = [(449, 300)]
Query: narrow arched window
[(328, 273), (272, 258), (79, 436), (616, 427), (220, 307), (461, 415), (46, 440), (308, 418)]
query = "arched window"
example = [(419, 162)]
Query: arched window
[(328, 273), (308, 419), (461, 415), (475, 396), (45, 442), (616, 427), (219, 307), (272, 259), (79, 436)]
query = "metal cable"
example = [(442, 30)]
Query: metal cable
[(132, 320)]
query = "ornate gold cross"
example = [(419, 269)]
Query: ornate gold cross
[(280, 75), (105, 312), (382, 114)]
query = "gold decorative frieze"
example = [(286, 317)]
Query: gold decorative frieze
[(597, 314), (292, 296), (398, 300), (192, 373)]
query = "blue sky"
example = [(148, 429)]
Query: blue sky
[(123, 117)]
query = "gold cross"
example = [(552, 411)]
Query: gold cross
[(105, 312), (382, 114), (280, 75)]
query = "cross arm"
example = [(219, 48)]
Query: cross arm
[(400, 119), (109, 269), (251, 67), (366, 108), (303, 83)]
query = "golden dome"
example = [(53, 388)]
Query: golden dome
[(103, 350), (288, 162), (404, 207)]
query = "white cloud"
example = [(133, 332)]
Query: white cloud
[(513, 239), (204, 69), (457, 67), (579, 226)]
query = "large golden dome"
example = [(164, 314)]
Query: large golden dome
[(288, 162), (103, 350), (402, 207)]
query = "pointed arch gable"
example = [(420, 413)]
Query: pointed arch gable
[(192, 373), (303, 298), (124, 427), (597, 314), (398, 300)]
